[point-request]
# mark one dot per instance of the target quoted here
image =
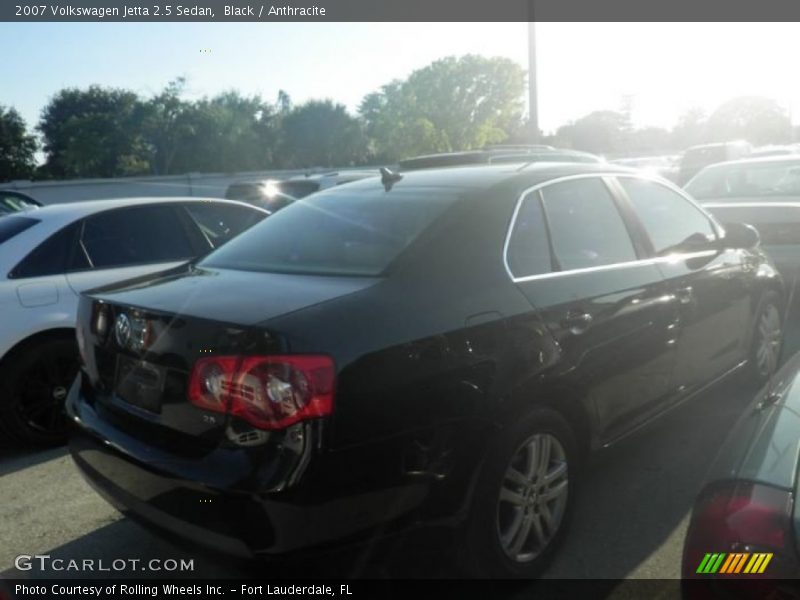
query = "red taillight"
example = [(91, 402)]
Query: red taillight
[(269, 392), (737, 516)]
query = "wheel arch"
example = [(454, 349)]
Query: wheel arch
[(567, 401), (54, 333)]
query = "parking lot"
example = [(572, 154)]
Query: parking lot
[(629, 523)]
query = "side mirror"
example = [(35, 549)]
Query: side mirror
[(740, 235)]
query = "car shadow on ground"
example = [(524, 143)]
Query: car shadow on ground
[(637, 497), (14, 459)]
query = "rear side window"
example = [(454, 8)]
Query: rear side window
[(131, 236), (673, 223), (586, 228), (221, 222), (51, 256), (12, 225), (340, 231), (528, 247)]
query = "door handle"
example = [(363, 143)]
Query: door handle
[(576, 322), (685, 295)]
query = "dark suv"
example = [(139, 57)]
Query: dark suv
[(443, 346)]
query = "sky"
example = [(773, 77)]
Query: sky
[(663, 69)]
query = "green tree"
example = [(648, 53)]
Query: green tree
[(602, 131), (93, 133), (165, 128), (17, 146), (228, 132), (753, 118), (321, 133), (690, 129), (452, 104), (649, 140)]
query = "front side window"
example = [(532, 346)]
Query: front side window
[(133, 236), (586, 228), (341, 231), (673, 223)]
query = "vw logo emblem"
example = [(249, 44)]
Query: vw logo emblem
[(122, 330)]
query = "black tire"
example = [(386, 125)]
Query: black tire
[(759, 370), (33, 386), (484, 552)]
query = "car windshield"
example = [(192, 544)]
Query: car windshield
[(12, 225), (338, 232), (10, 204), (747, 180)]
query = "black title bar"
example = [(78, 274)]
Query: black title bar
[(396, 10)]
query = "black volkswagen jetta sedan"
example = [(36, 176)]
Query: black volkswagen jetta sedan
[(439, 347)]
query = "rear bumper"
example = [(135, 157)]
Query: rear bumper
[(215, 500)]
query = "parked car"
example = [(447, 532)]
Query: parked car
[(762, 151), (49, 256), (778, 224), (498, 154), (664, 166), (12, 201), (699, 157), (442, 346), (274, 194), (774, 178), (742, 538)]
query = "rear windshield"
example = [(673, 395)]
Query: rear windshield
[(770, 179), (12, 225), (337, 232)]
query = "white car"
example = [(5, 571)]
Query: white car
[(50, 255)]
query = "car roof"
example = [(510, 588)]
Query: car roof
[(486, 155), (83, 208), (484, 176), (759, 160)]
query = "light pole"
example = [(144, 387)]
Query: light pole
[(533, 101)]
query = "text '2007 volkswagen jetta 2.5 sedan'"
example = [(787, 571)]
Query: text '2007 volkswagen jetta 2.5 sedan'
[(442, 346)]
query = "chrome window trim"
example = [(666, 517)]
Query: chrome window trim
[(623, 265), (632, 263)]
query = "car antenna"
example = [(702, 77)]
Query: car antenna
[(389, 178)]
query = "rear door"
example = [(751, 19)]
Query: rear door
[(128, 242), (710, 285), (579, 261)]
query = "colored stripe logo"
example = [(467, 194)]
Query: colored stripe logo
[(734, 563)]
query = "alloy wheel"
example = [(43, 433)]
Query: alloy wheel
[(533, 497), (42, 389), (768, 346)]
